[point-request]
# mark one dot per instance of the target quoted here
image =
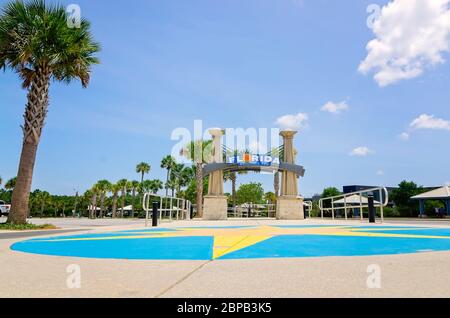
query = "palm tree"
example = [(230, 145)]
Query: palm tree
[(1, 180), (10, 185), (95, 191), (115, 188), (43, 198), (36, 43), (156, 185), (133, 185), (232, 176), (103, 187), (143, 168), (199, 152), (123, 189), (168, 163)]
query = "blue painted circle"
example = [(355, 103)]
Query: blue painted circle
[(159, 245)]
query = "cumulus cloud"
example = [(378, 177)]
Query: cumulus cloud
[(426, 121), (410, 36), (380, 173), (335, 108), (362, 151), (293, 122)]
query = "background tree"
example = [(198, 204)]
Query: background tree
[(134, 187), (199, 152), (123, 183), (37, 44), (270, 198), (168, 163), (115, 188), (232, 176), (402, 198), (250, 193), (155, 186), (103, 187), (11, 184), (143, 168), (95, 191)]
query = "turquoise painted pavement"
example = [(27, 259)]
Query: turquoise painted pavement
[(252, 242)]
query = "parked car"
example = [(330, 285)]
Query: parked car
[(4, 208)]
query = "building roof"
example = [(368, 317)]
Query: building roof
[(441, 193), (354, 199)]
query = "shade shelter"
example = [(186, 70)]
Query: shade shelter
[(355, 199), (437, 194)]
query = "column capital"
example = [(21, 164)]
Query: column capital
[(288, 134), (217, 132)]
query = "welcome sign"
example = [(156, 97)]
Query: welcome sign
[(252, 159)]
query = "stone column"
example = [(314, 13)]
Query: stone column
[(215, 204), (289, 203)]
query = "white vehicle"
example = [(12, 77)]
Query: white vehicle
[(4, 208)]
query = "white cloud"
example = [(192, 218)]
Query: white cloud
[(410, 36), (380, 173), (404, 136), (361, 151), (293, 122), (425, 121), (335, 108)]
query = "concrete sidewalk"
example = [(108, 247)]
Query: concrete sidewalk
[(414, 275)]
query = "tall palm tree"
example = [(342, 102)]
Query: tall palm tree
[(37, 44), (115, 188), (123, 189), (199, 152), (95, 191), (168, 163), (134, 187), (103, 187), (10, 185), (143, 168)]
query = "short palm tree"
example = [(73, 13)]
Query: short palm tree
[(143, 168), (156, 185), (168, 163), (36, 43)]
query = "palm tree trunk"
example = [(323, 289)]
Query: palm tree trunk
[(94, 207), (167, 181), (114, 208), (199, 177), (102, 205), (21, 193), (123, 203), (34, 119), (42, 209), (134, 202), (142, 178)]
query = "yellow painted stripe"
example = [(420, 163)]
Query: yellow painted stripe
[(227, 244)]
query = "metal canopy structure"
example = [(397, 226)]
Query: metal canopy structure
[(437, 194), (210, 168)]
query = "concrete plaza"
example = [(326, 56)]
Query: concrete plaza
[(424, 274)]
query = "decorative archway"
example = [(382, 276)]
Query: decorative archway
[(289, 203)]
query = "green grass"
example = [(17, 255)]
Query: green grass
[(25, 227)]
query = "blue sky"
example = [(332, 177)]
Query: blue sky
[(241, 64)]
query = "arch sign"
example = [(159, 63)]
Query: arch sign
[(289, 203)]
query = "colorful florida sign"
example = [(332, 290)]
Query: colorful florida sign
[(252, 159)]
